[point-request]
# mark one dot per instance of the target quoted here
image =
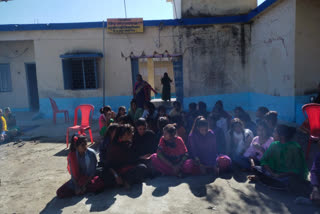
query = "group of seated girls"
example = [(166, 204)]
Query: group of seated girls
[(144, 143), (8, 126)]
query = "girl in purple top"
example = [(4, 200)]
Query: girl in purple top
[(202, 145)]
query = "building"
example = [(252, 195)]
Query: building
[(246, 57)]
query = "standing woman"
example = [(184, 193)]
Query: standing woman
[(202, 145), (142, 91), (166, 89), (82, 163)]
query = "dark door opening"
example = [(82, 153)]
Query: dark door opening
[(32, 85)]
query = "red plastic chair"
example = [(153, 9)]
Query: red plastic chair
[(312, 114), (85, 121), (55, 111)]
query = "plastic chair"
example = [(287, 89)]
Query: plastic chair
[(312, 114), (85, 109), (55, 111)]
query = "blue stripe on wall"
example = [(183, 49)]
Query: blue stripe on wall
[(288, 107)]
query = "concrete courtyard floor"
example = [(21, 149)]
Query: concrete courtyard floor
[(33, 168)]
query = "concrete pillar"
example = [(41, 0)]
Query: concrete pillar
[(150, 66)]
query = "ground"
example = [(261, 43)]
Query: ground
[(34, 168)]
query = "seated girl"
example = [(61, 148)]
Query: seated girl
[(260, 113), (3, 127), (238, 140), (172, 155), (191, 115), (221, 121), (258, 146), (161, 123), (122, 111), (10, 118), (315, 179), (284, 159), (122, 158), (108, 138), (162, 111), (82, 163), (134, 112), (202, 109), (177, 110), (271, 118), (181, 131), (219, 133), (202, 145), (222, 112), (105, 119), (144, 141), (11, 122)]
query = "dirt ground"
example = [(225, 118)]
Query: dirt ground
[(34, 168)]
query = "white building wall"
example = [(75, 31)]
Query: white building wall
[(272, 51), (16, 53), (307, 46)]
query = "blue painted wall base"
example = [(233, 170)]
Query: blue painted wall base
[(288, 107)]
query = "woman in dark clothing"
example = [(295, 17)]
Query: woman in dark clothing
[(121, 157), (144, 141), (166, 89)]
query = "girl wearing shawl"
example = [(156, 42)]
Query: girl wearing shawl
[(202, 145), (142, 91), (82, 163), (172, 155)]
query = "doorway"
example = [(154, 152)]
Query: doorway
[(32, 84)]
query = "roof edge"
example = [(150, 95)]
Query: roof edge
[(148, 23)]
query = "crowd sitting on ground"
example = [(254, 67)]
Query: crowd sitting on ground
[(149, 142)]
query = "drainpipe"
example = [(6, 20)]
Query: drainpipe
[(104, 68)]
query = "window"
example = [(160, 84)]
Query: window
[(5, 78), (80, 73)]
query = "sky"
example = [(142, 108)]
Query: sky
[(64, 11)]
